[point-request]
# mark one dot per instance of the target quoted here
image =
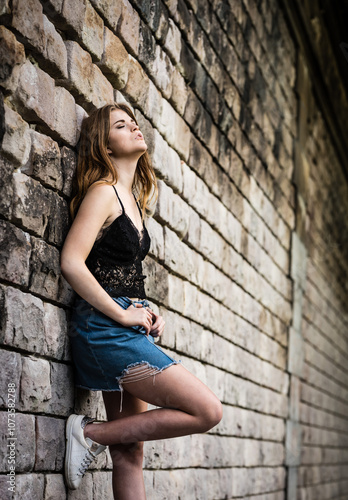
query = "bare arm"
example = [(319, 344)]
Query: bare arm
[(98, 205)]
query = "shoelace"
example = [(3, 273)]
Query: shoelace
[(86, 462)]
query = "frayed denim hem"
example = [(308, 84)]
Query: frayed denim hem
[(152, 372)]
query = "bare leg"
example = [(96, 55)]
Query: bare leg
[(127, 459), (188, 407)]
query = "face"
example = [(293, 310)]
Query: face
[(125, 138)]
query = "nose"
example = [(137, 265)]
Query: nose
[(135, 126)]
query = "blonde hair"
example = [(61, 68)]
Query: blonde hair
[(94, 164)]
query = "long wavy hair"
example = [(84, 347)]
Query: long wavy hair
[(94, 164)]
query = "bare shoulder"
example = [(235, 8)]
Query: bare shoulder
[(100, 197)]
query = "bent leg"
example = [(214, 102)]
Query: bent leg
[(127, 459), (187, 406)]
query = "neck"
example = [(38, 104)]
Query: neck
[(125, 169)]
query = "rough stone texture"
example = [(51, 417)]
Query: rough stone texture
[(6, 188), (25, 445), (114, 62), (248, 262), (54, 486), (11, 363), (15, 143), (14, 254), (50, 444), (68, 166), (45, 161), (35, 391), (12, 55)]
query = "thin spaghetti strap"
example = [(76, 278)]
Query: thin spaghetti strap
[(119, 199), (141, 214)]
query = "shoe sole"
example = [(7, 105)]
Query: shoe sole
[(68, 445)]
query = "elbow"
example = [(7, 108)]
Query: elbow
[(69, 267)]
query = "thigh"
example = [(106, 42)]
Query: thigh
[(174, 387), (131, 404)]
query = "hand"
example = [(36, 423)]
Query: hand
[(138, 315), (158, 325)]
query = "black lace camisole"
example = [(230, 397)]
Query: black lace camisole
[(116, 257)]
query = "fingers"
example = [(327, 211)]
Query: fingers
[(158, 326)]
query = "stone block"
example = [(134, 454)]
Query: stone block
[(173, 41), (68, 167), (157, 238), (175, 130), (44, 269), (62, 389), (30, 486), (166, 162), (54, 487), (25, 443), (73, 14), (156, 284), (34, 94), (35, 391), (24, 321), (92, 32), (86, 81), (56, 335), (114, 61), (172, 210), (156, 61), (15, 251), (111, 11), (65, 119), (80, 71), (50, 443), (12, 55), (89, 403), (31, 203), (58, 222), (16, 140), (179, 92), (6, 187), (45, 161), (11, 374), (54, 52), (5, 450), (153, 104), (175, 296), (27, 19), (102, 484), (179, 257), (128, 27), (137, 87)]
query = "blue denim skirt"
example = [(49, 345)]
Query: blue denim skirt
[(104, 351)]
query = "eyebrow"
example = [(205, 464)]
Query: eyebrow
[(124, 121)]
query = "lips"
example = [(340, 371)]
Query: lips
[(139, 136)]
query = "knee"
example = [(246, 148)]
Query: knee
[(211, 416), (127, 455)]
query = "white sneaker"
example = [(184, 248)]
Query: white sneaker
[(80, 451)]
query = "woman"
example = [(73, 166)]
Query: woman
[(112, 326)]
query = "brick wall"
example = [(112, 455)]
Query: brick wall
[(248, 263)]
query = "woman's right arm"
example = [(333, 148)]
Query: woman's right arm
[(97, 206)]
